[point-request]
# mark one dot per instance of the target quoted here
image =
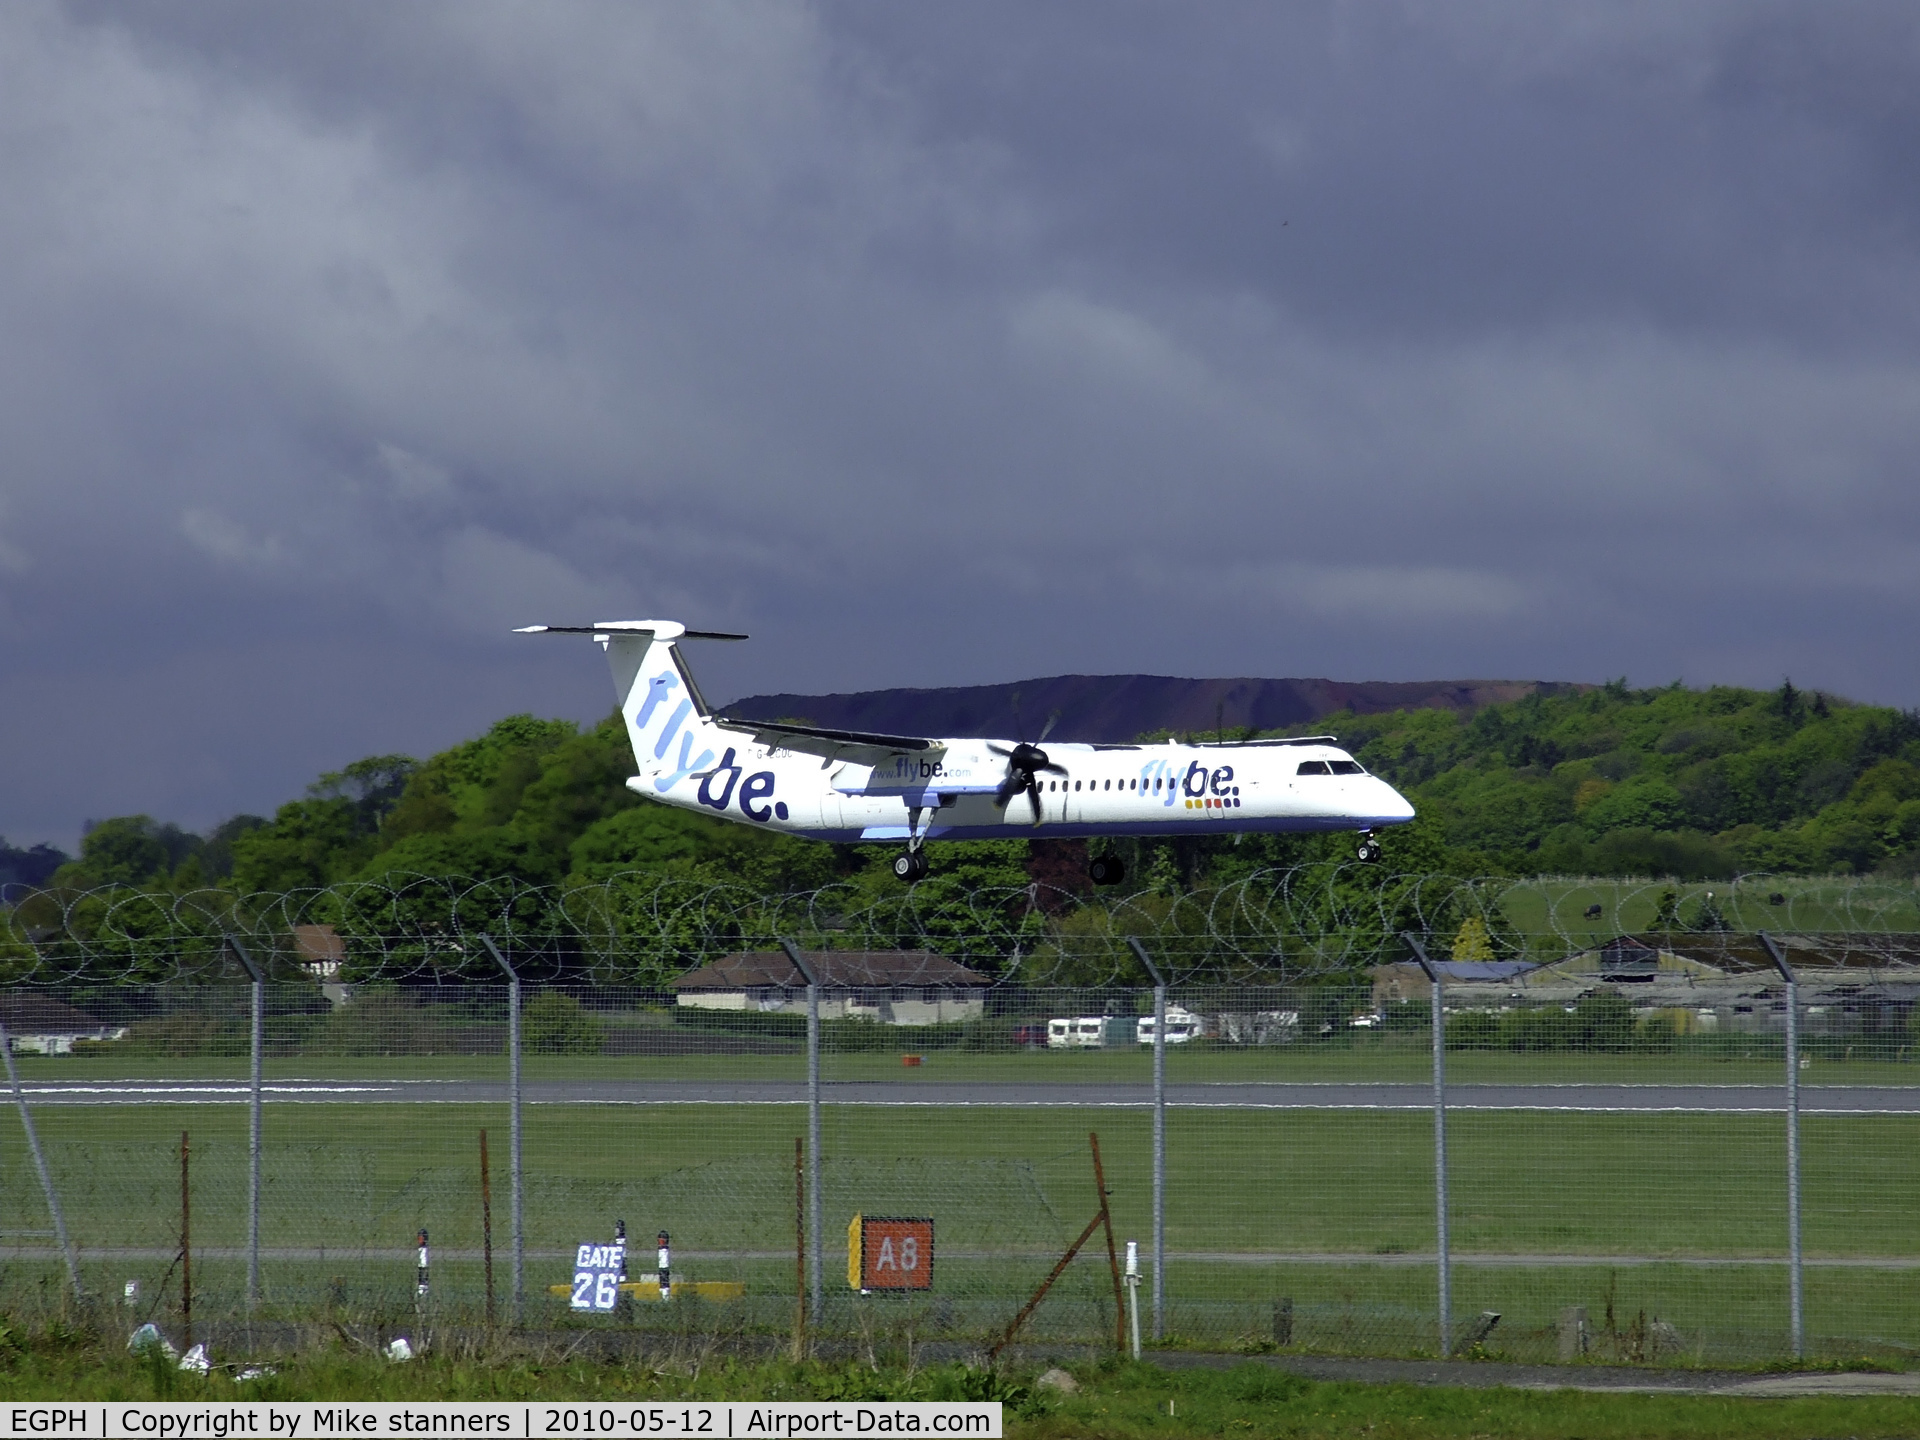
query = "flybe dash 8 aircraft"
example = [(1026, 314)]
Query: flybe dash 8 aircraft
[(842, 785)]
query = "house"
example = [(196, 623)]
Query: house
[(893, 987), (42, 1025), (319, 950)]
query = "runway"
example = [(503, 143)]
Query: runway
[(1652, 1098)]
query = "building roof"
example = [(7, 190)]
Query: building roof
[(1465, 970), (1733, 955), (843, 969), (318, 944), (28, 1014)]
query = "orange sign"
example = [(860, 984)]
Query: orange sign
[(892, 1253)]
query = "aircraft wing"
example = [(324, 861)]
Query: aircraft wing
[(854, 745)]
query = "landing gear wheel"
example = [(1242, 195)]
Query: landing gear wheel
[(1106, 870), (910, 865), (1369, 850)]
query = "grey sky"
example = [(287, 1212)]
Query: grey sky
[(930, 344)]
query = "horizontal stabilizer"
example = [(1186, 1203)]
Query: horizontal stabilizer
[(659, 629)]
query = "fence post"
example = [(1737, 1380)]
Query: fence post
[(1159, 1138), (257, 1026), (1796, 1309), (513, 1141), (40, 1164), (815, 1205), (1439, 1020)]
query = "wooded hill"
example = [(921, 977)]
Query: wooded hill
[(1689, 783)]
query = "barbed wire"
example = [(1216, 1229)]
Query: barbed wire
[(1280, 925)]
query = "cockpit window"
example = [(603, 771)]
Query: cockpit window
[(1313, 767), (1346, 767)]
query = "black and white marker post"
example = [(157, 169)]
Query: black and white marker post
[(623, 1303), (665, 1268), (420, 1275)]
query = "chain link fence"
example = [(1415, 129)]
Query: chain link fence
[(1682, 1149)]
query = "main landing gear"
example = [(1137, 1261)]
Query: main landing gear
[(1369, 850), (1106, 870), (910, 865)]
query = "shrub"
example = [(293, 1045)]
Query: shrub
[(555, 1024)]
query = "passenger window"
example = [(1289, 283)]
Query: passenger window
[(1313, 767), (1076, 784), (1347, 767)]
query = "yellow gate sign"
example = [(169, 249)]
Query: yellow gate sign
[(889, 1252)]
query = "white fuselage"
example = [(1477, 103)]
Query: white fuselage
[(1169, 789), (843, 786)]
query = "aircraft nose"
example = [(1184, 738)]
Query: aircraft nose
[(1393, 808)]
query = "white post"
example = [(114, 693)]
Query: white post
[(1159, 1140), (1133, 1292), (1796, 1296), (514, 1147), (1439, 1022), (815, 1203)]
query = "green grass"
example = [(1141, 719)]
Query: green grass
[(1363, 1057), (1007, 1188), (1556, 905), (1114, 1400)]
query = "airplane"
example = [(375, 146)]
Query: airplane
[(845, 786)]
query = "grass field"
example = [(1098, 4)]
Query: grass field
[(1115, 1400), (1681, 1216), (1556, 905), (1364, 1056)]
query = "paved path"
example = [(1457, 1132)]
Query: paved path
[(1721, 1099)]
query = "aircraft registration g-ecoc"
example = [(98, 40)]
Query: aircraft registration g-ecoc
[(841, 785)]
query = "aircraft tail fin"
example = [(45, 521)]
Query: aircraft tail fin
[(665, 713)]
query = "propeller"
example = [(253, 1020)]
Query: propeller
[(1025, 764)]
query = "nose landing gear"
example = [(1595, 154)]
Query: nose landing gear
[(1369, 850)]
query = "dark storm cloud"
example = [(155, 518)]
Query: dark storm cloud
[(930, 344)]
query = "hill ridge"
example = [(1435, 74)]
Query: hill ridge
[(1115, 709)]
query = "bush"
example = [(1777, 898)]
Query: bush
[(179, 1037), (555, 1024), (384, 1022), (1473, 1030)]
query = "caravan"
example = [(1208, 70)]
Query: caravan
[(1182, 1025)]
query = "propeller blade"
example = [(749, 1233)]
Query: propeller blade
[(1052, 720), (1033, 796), (1010, 787)]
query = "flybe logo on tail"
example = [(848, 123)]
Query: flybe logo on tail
[(660, 705)]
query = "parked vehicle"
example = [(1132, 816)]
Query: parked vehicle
[(1182, 1025), (1086, 1032), (1030, 1037)]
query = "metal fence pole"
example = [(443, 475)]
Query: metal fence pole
[(257, 1026), (1439, 1022), (815, 1203), (513, 1146), (1159, 1139), (40, 1164), (1796, 1296)]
